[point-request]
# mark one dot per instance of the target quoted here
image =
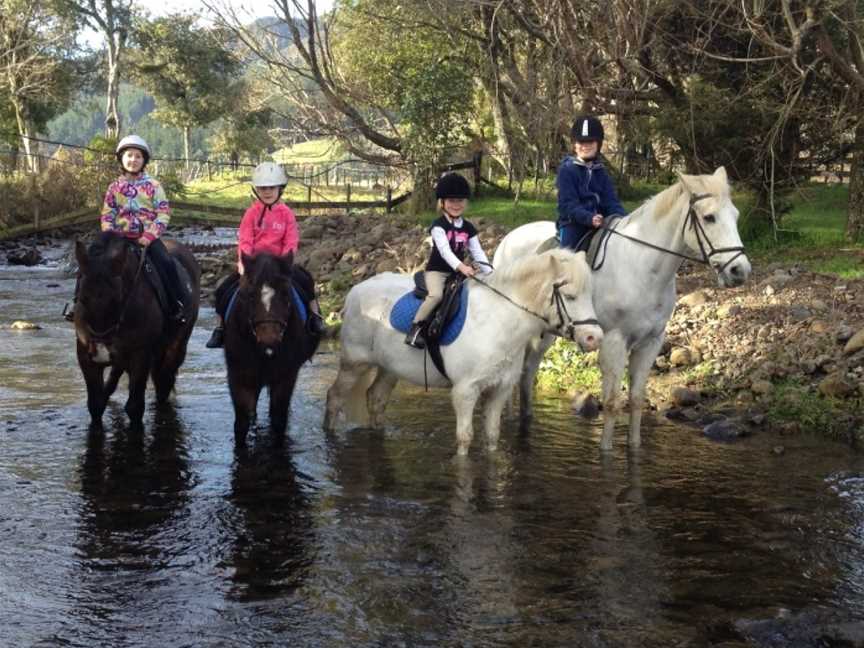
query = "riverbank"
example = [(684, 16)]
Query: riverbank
[(785, 352)]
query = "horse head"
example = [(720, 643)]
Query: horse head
[(711, 226), (103, 292), (268, 290), (571, 307)]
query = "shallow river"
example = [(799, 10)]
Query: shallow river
[(170, 537)]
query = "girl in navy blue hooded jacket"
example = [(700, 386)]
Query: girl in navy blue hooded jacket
[(586, 196)]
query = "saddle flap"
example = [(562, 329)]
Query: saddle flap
[(420, 290)]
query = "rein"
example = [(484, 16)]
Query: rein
[(564, 319), (701, 238), (107, 334)]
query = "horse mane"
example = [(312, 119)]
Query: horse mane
[(664, 202), (530, 278), (266, 270)]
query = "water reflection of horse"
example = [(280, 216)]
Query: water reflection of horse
[(522, 300), (266, 341), (634, 290), (119, 323), (273, 529), (132, 489)]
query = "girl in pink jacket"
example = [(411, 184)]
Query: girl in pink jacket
[(268, 226)]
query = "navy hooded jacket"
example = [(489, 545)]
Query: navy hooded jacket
[(584, 189)]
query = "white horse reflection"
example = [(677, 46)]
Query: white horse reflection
[(547, 293), (634, 289)]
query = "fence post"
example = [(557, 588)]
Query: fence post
[(389, 200), (309, 198), (348, 200), (209, 172), (478, 159)]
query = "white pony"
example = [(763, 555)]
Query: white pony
[(521, 300), (634, 289)]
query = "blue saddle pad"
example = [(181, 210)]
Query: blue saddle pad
[(298, 304), (406, 308)]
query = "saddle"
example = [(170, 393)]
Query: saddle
[(444, 313), (155, 280), (593, 244)]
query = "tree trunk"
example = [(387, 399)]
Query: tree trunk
[(31, 147), (855, 210), (187, 137), (112, 114)]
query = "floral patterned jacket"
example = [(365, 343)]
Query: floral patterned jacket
[(136, 208)]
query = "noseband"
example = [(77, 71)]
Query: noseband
[(705, 246)]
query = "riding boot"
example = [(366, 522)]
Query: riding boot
[(415, 336), (217, 339), (315, 324)]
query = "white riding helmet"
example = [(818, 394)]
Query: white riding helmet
[(136, 142), (269, 174)]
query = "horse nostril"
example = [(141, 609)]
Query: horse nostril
[(735, 270)]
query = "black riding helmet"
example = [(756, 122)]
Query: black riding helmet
[(452, 185), (587, 128)]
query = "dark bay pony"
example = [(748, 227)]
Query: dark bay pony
[(119, 323), (266, 341)]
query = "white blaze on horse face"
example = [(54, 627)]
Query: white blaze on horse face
[(267, 294)]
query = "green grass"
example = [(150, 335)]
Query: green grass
[(317, 151), (795, 403), (234, 190)]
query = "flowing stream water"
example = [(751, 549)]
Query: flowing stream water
[(171, 537)]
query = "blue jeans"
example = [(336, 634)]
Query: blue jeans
[(570, 235)]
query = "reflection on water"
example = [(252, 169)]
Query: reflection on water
[(171, 536)]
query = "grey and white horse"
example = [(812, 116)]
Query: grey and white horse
[(634, 289)]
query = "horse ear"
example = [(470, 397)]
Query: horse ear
[(720, 174), (687, 182), (81, 255), (247, 261)]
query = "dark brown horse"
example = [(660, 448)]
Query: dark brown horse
[(266, 341), (119, 323)]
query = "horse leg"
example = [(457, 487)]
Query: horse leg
[(244, 396), (342, 387), (378, 395), (613, 352), (113, 379), (280, 401), (641, 359), (94, 378), (139, 368), (464, 396), (533, 356), (495, 402)]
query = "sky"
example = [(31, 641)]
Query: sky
[(251, 8)]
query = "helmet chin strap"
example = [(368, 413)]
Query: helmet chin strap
[(267, 205)]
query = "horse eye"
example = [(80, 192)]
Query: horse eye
[(710, 218)]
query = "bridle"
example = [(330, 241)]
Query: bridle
[(255, 323), (565, 321), (705, 246), (105, 336)]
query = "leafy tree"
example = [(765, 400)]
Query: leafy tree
[(187, 70), (34, 43), (112, 19)]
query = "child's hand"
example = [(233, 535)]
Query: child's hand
[(597, 221), (143, 241), (466, 270)]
